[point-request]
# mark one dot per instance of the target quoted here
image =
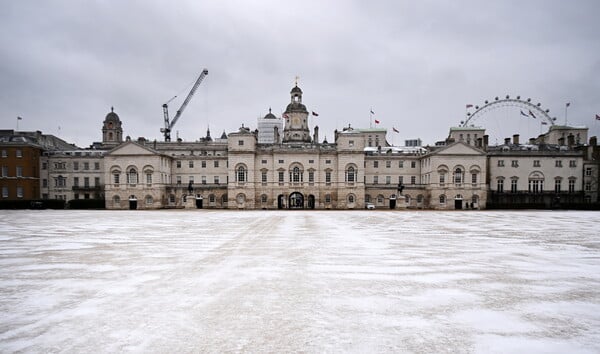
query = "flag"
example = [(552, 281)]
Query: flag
[(597, 116), (285, 115), (568, 104), (524, 114), (544, 123), (372, 112), (395, 130), (376, 121), (315, 114), (469, 105), (531, 114), (19, 118)]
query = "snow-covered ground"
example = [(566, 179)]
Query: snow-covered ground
[(299, 281)]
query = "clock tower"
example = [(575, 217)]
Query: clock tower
[(296, 119)]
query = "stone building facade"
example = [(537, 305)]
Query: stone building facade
[(290, 168)]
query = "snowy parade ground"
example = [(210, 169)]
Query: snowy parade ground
[(191, 281)]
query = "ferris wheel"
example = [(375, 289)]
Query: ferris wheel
[(527, 108)]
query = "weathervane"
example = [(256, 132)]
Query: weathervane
[(297, 77)]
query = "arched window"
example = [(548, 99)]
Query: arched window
[(116, 201), (149, 200), (442, 199), (263, 199), (110, 136), (350, 174), (296, 174), (242, 174), (351, 199), (132, 176), (458, 176)]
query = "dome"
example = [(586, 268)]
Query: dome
[(296, 107), (270, 115), (296, 89), (112, 116)]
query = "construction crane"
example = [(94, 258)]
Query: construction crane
[(169, 125)]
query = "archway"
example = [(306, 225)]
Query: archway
[(280, 201), (296, 201), (458, 202), (132, 202)]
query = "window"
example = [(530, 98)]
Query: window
[(280, 161), (263, 177), (514, 163), (203, 164), (280, 177), (388, 179), (132, 176), (400, 179), (311, 177), (178, 164), (97, 181), (588, 171), (400, 164), (19, 171), (388, 164), (203, 179), (351, 143), (86, 166), (442, 178), (191, 164), (241, 174), (442, 199), (350, 175), (536, 163), (588, 186), (458, 174), (413, 164), (191, 179), (19, 191), (149, 200), (536, 186), (116, 177), (500, 186), (264, 162), (474, 178), (572, 163), (263, 198), (60, 182), (86, 182), (240, 143), (75, 165), (19, 153), (96, 166), (500, 163), (327, 177), (75, 181), (375, 179), (413, 179), (558, 163), (4, 154), (351, 199), (296, 175), (311, 161), (148, 177), (327, 162), (571, 186), (376, 164), (216, 179), (216, 163), (557, 185), (44, 165), (513, 185), (4, 188), (178, 179), (327, 198), (44, 183)]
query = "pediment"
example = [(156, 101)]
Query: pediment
[(459, 148), (131, 148)]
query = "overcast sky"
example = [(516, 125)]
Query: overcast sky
[(416, 64)]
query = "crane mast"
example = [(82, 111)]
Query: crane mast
[(169, 125)]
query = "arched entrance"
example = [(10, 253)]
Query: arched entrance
[(296, 201), (311, 201), (393, 201), (199, 201), (132, 202)]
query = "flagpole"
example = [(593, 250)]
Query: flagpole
[(566, 106), (371, 117)]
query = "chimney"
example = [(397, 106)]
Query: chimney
[(479, 142), (506, 141), (316, 135), (516, 139), (486, 140), (561, 141), (593, 141)]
